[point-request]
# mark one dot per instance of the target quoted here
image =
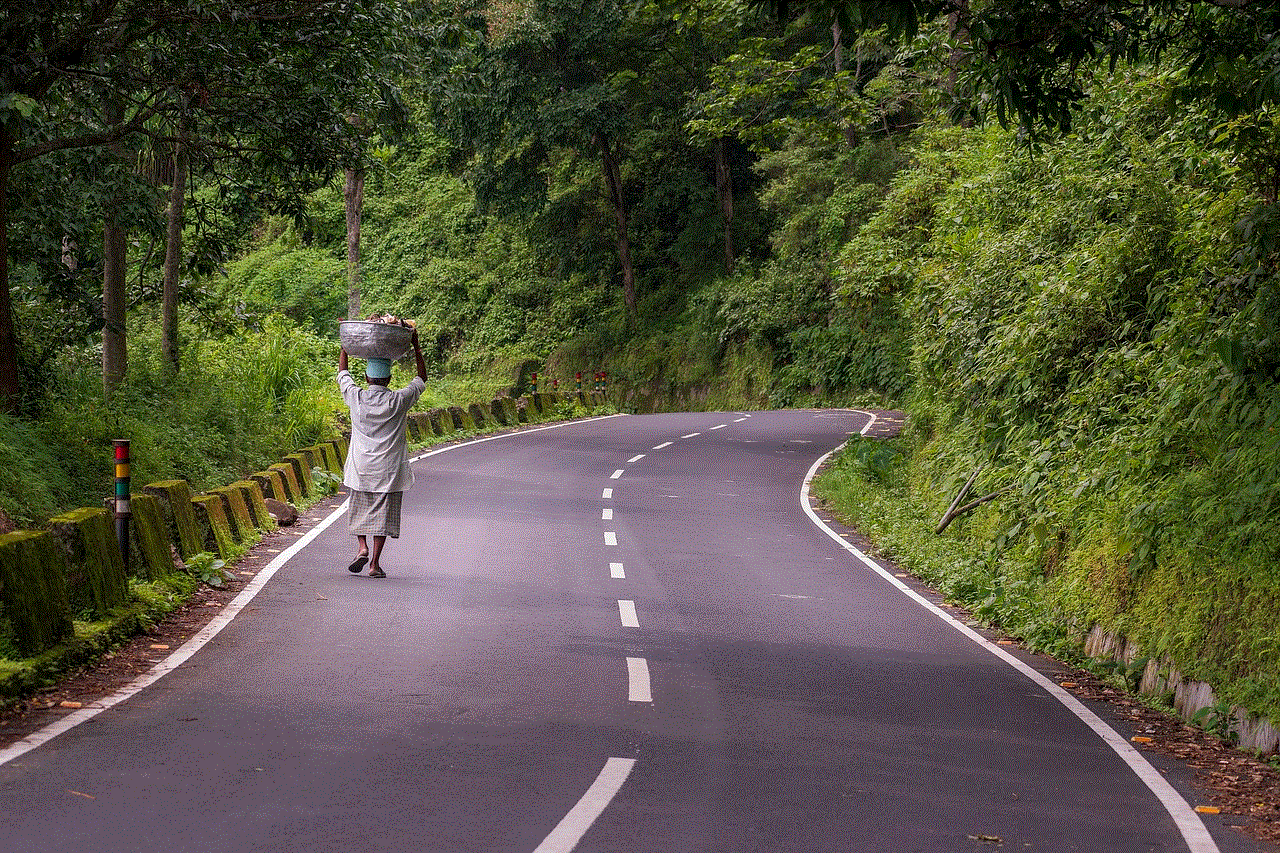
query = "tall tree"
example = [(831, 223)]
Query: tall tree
[(275, 80), (529, 81)]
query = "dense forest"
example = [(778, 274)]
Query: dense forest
[(1047, 230)]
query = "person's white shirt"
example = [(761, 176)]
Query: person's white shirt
[(378, 457)]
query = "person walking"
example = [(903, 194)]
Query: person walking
[(377, 470)]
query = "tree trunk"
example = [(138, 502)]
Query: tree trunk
[(353, 193), (173, 255), (724, 190), (114, 352), (9, 388), (958, 25), (115, 360), (837, 48), (613, 181)]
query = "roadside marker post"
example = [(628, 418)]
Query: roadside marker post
[(124, 511)]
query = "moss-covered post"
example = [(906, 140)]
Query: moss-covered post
[(95, 565), (175, 498), (214, 527), (289, 482), (123, 510), (302, 472), (33, 590)]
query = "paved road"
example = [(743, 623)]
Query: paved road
[(616, 635)]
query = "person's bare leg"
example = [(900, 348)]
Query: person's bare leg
[(362, 556), (375, 554)]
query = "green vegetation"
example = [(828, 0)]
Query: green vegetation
[(1056, 246)]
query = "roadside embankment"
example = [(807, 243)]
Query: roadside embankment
[(1187, 630)]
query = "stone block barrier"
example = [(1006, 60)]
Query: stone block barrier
[(33, 590), (93, 566), (151, 547), (288, 481), (175, 502), (74, 570)]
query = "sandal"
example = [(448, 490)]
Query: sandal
[(357, 565), (377, 573)]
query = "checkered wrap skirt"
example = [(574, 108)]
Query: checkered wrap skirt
[(374, 513)]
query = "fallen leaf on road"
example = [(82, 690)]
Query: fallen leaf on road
[(78, 794), (987, 839), (159, 646), (67, 703), (1141, 739), (1068, 684), (1208, 809)]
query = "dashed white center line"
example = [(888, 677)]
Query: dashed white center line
[(664, 444), (627, 613), (638, 680), (606, 495), (739, 420), (610, 538), (616, 474), (575, 824), (606, 514), (636, 458), (718, 426), (615, 570), (691, 435)]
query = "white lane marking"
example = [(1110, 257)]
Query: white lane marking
[(610, 538), (636, 458), (606, 514), (720, 426), (615, 570), (616, 474), (638, 680), (739, 420), (606, 495), (664, 444), (1188, 822), (691, 435), (575, 824), (627, 613), (220, 621)]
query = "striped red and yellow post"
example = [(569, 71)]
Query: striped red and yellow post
[(124, 510)]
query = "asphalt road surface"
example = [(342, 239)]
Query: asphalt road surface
[(624, 634)]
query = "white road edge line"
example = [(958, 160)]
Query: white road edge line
[(636, 458), (1188, 822), (610, 538), (664, 444), (616, 474), (638, 680), (616, 571), (606, 514), (627, 613), (720, 426), (691, 435), (606, 495), (575, 824), (224, 617)]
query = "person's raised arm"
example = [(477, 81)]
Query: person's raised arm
[(342, 359), (417, 354)]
